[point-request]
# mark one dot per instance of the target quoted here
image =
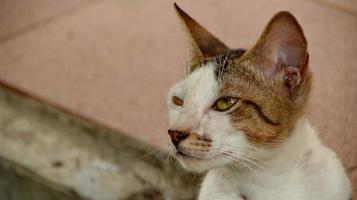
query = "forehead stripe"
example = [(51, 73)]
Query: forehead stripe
[(222, 61)]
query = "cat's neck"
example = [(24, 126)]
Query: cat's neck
[(302, 142)]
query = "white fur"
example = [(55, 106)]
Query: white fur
[(288, 174), (301, 168)]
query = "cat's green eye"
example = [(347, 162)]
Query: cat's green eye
[(224, 103), (177, 101)]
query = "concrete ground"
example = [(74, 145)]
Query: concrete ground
[(114, 60), (48, 154)]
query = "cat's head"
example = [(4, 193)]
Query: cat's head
[(235, 104)]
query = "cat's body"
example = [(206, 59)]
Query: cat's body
[(239, 114), (302, 169)]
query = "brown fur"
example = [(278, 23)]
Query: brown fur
[(267, 113), (273, 97)]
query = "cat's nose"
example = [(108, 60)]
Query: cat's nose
[(177, 136)]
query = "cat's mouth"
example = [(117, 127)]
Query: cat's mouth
[(183, 155), (198, 162)]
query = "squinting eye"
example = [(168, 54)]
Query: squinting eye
[(224, 103), (177, 101)]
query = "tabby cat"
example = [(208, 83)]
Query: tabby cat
[(239, 116)]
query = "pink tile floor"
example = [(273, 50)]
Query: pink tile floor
[(114, 60)]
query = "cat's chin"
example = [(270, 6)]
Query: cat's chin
[(198, 165)]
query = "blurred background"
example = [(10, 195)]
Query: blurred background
[(113, 61)]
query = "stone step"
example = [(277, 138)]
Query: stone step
[(46, 153)]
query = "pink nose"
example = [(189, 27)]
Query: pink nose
[(177, 136)]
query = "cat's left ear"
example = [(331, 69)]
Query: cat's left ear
[(203, 43), (282, 46)]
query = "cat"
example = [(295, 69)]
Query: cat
[(239, 116)]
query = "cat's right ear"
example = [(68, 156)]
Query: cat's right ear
[(282, 47), (203, 43)]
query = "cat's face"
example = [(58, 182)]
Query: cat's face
[(236, 106)]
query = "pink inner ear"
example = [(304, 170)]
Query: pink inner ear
[(282, 44), (288, 52)]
